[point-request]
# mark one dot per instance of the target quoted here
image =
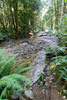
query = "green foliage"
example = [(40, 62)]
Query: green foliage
[(11, 80), (65, 1), (61, 70), (60, 59), (48, 49), (3, 36), (11, 83), (55, 19), (17, 17), (41, 81), (50, 52)]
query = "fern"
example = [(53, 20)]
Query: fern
[(24, 70), (61, 70), (19, 67), (11, 83), (10, 80), (7, 64)]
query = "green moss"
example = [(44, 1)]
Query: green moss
[(27, 62)]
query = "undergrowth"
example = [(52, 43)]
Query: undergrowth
[(11, 80), (60, 61)]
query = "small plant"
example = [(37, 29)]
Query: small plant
[(11, 80), (41, 81), (48, 49), (50, 52)]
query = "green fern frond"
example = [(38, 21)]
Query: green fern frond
[(6, 67), (20, 78), (1, 53), (24, 70), (11, 83), (19, 67)]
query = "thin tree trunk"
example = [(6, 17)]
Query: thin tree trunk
[(64, 8), (16, 15)]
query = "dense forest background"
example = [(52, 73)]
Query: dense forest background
[(18, 18)]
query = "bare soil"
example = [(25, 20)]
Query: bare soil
[(50, 91)]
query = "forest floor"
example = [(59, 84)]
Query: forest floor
[(50, 90), (34, 48)]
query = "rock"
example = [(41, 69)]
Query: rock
[(41, 33), (29, 94), (16, 96), (39, 65), (23, 44)]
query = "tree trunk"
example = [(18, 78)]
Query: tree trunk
[(64, 8), (16, 16)]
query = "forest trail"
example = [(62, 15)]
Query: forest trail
[(35, 47), (26, 48)]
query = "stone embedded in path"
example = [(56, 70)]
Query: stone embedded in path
[(41, 33), (29, 94)]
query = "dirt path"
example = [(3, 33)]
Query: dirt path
[(28, 47)]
